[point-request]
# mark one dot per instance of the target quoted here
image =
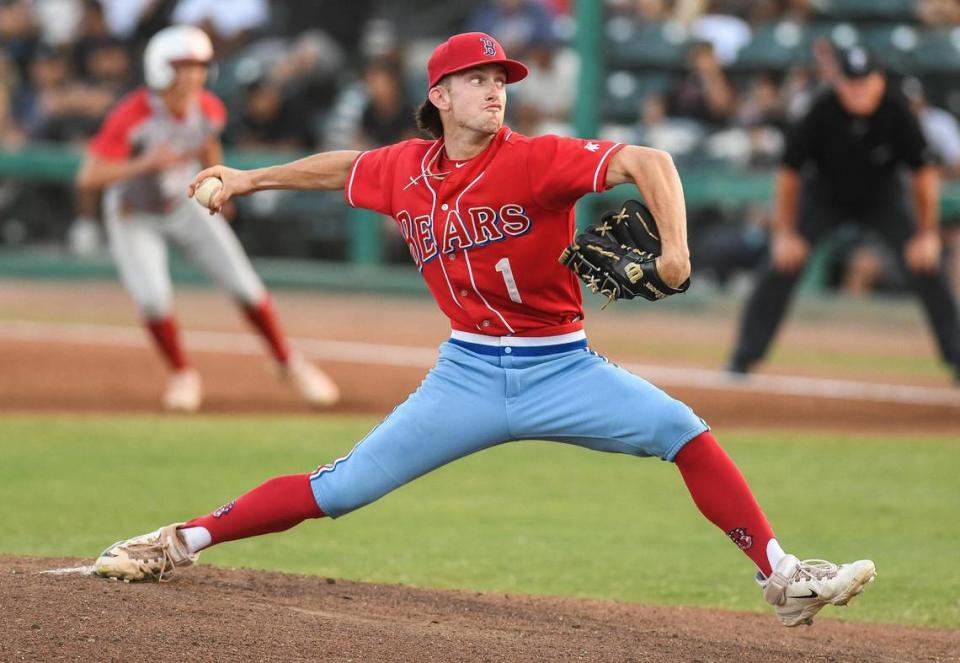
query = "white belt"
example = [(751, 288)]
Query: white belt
[(518, 341)]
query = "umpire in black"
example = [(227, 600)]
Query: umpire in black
[(844, 162)]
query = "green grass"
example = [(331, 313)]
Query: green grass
[(528, 517)]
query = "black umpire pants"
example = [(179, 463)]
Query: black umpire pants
[(891, 217)]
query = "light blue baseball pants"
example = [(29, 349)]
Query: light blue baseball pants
[(478, 396)]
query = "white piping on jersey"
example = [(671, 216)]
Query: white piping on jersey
[(456, 205), (353, 173), (425, 171), (466, 256), (518, 341), (433, 207), (600, 165)]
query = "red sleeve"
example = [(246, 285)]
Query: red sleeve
[(113, 140), (371, 179), (563, 170), (213, 109)]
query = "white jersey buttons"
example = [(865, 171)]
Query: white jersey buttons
[(507, 350), (485, 323), (464, 292), (444, 207)]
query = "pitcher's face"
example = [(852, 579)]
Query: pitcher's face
[(477, 98)]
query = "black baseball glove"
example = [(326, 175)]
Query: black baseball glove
[(617, 256)]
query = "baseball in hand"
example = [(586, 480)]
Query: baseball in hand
[(206, 190)]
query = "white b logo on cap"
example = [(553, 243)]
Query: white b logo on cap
[(488, 48)]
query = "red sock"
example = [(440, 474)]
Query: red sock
[(167, 337), (723, 496), (264, 318), (274, 506)]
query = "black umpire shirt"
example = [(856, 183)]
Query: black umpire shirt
[(853, 158)]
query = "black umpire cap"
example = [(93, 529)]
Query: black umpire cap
[(857, 62)]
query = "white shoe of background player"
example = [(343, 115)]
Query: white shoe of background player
[(314, 385), (798, 590), (183, 392)]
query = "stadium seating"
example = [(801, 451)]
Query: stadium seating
[(625, 92), (661, 45), (773, 46), (867, 10), (939, 51)]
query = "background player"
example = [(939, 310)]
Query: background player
[(843, 162), (145, 155), (486, 213)]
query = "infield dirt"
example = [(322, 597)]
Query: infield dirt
[(213, 614)]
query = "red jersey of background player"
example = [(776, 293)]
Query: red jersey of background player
[(141, 122), (486, 233)]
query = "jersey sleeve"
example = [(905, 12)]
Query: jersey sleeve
[(214, 110), (112, 141), (565, 169), (370, 183)]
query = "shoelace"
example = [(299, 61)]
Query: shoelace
[(815, 569), (809, 569), (147, 551)]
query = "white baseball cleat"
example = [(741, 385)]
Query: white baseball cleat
[(798, 590), (183, 392), (152, 556), (314, 385)]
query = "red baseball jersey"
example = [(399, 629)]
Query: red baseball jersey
[(141, 121), (486, 233)]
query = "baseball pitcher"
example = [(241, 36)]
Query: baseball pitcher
[(488, 216)]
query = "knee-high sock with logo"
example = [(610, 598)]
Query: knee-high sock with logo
[(723, 496), (273, 506), (264, 318), (166, 335)]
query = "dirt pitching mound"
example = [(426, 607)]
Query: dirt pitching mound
[(213, 614)]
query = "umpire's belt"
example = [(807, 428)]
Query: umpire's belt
[(520, 346)]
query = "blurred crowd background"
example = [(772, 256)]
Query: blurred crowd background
[(714, 82)]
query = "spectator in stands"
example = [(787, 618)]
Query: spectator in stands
[(761, 115), (844, 163), (268, 120), (93, 32), (679, 136), (703, 93), (18, 33), (309, 68), (388, 116), (10, 134), (649, 11), (57, 106), (344, 26), (544, 100), (135, 21), (106, 64), (57, 20), (719, 23), (517, 24), (230, 24)]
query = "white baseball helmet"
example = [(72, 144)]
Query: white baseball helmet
[(178, 43)]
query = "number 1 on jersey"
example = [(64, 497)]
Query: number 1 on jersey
[(503, 266)]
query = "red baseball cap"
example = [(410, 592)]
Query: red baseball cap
[(471, 49)]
